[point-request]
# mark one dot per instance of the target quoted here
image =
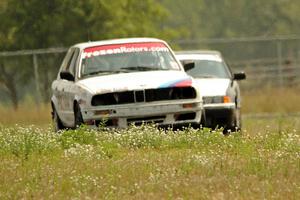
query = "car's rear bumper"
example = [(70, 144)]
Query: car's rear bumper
[(162, 113)]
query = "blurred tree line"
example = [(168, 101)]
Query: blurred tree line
[(220, 21), (234, 18), (35, 24)]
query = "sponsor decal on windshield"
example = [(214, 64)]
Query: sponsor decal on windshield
[(123, 48)]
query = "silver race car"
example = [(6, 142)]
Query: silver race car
[(218, 86)]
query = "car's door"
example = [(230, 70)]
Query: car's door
[(70, 87), (61, 90)]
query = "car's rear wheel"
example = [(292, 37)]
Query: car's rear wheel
[(57, 124), (77, 116)]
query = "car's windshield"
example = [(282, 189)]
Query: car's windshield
[(123, 58), (209, 69)]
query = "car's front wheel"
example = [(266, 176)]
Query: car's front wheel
[(77, 116), (57, 124), (236, 121)]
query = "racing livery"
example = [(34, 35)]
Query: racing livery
[(124, 81)]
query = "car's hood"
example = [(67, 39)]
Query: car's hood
[(212, 86), (134, 81)]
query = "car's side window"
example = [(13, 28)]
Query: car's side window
[(72, 66), (67, 59)]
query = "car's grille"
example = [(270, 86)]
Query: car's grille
[(148, 95), (113, 98)]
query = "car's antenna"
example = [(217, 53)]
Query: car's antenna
[(88, 35)]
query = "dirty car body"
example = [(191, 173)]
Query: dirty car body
[(121, 82), (218, 86)]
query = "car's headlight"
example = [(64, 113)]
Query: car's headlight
[(83, 97), (216, 99)]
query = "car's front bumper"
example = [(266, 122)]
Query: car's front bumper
[(161, 113), (219, 115)]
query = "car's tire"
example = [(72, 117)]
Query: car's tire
[(57, 124), (238, 120), (77, 116), (203, 122), (234, 122)]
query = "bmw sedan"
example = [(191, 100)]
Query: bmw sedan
[(124, 81), (219, 88)]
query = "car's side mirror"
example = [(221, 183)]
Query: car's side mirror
[(188, 66), (67, 76), (239, 76)]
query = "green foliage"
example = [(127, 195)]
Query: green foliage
[(235, 18), (38, 24)]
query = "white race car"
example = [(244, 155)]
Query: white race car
[(218, 86), (124, 81)]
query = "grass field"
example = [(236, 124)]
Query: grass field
[(147, 163), (261, 162), (270, 100)]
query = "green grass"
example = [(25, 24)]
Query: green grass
[(271, 100), (27, 114), (262, 162)]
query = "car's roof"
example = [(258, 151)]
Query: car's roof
[(199, 55), (116, 41), (211, 52)]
